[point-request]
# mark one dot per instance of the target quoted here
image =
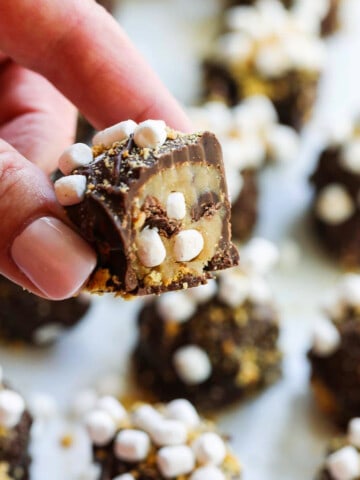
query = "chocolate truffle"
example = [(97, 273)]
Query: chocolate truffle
[(335, 353), (212, 344), (336, 181), (157, 442), (153, 203), (250, 136), (266, 53), (342, 460), (31, 319), (15, 425)]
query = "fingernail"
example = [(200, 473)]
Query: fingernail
[(53, 257)]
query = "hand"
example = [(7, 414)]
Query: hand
[(56, 54)]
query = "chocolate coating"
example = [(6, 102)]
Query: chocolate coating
[(240, 343), (244, 211)]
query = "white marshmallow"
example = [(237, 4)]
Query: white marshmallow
[(259, 290), (176, 206), (338, 131), (305, 53), (272, 60), (354, 432), (132, 445), (115, 133), (326, 338), (150, 134), (146, 418), (234, 287), (70, 190), (90, 472), (83, 402), (188, 244), (219, 117), (259, 109), (12, 407), (176, 307), (151, 250), (208, 472), (235, 183), (175, 460), (235, 46), (344, 464), (182, 410), (113, 407), (124, 476), (350, 157), (111, 384), (192, 364), (48, 333), (78, 155), (334, 205), (100, 426), (203, 293), (259, 256), (169, 432), (349, 289), (244, 19), (42, 406), (209, 448), (283, 143)]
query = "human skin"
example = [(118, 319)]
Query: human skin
[(55, 56)]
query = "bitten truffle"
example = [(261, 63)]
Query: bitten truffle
[(157, 442), (153, 203), (213, 344), (335, 353), (31, 319), (266, 52), (336, 183), (15, 425)]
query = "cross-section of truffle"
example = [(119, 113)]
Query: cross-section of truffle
[(213, 344), (157, 442), (31, 319), (336, 181), (15, 425), (153, 203), (335, 354), (272, 57)]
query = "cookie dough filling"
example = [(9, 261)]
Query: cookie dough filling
[(153, 202), (156, 442)]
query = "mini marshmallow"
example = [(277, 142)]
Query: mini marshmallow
[(235, 46), (258, 110), (259, 290), (132, 445), (192, 364), (176, 206), (209, 448), (234, 287), (259, 256), (48, 334), (111, 384), (113, 407), (208, 472), (305, 53), (272, 61), (78, 155), (12, 407), (184, 411), (150, 134), (146, 418), (115, 133), (188, 244), (83, 402), (354, 432), (219, 117), (350, 156), (283, 143), (100, 426), (42, 406), (344, 464), (176, 307), (243, 19), (90, 472), (169, 432), (349, 290), (334, 205), (70, 190), (124, 476), (203, 293), (326, 338), (151, 250), (338, 131), (175, 460)]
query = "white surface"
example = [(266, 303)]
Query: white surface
[(279, 435)]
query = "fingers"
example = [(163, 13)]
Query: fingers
[(34, 117), (37, 249), (84, 53)]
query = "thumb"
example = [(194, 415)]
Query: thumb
[(37, 249)]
